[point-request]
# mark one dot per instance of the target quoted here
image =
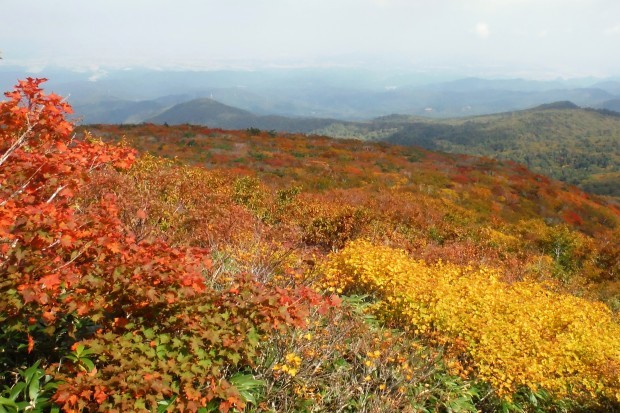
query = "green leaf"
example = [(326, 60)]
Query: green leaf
[(253, 337), (30, 371), (50, 384), (162, 405), (246, 384), (88, 363), (164, 339), (87, 352), (7, 402), (234, 358), (16, 389), (33, 388), (161, 351), (79, 349), (139, 404)]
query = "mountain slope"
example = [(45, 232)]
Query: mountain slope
[(261, 271), (218, 115), (613, 104), (470, 191), (560, 140), (203, 112), (578, 146), (479, 235)]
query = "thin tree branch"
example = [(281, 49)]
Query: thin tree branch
[(51, 198)]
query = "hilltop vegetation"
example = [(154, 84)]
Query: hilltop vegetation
[(562, 141), (577, 146), (210, 112), (260, 271)]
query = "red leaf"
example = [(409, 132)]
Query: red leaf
[(335, 300), (61, 146), (225, 407), (66, 193), (28, 294)]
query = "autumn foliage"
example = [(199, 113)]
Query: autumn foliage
[(247, 270), (509, 335), (124, 323)]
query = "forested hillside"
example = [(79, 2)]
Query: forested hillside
[(560, 140), (210, 112), (578, 146), (197, 269)]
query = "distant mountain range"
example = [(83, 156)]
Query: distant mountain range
[(538, 123), (436, 101), (137, 95), (613, 104)]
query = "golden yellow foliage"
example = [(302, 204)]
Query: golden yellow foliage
[(513, 335)]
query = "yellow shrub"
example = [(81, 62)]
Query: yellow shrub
[(514, 335)]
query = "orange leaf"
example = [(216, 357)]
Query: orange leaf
[(30, 343), (85, 394), (50, 281), (114, 247), (100, 395), (61, 146), (66, 193), (66, 240)]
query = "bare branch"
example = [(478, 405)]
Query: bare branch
[(21, 141), (81, 251), (60, 188), (21, 188)]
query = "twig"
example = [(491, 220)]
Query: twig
[(60, 188), (21, 189)]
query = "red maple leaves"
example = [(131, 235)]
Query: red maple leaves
[(72, 268)]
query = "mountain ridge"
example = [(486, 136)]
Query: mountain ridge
[(339, 93)]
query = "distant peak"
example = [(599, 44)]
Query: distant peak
[(563, 104)]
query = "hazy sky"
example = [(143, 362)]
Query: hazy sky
[(532, 38)]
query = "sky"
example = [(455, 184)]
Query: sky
[(524, 38)]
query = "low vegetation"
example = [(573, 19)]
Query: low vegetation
[(216, 270), (562, 141)]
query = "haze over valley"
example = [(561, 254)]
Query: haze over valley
[(137, 95)]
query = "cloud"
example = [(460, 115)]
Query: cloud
[(482, 30), (98, 74), (613, 30)]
